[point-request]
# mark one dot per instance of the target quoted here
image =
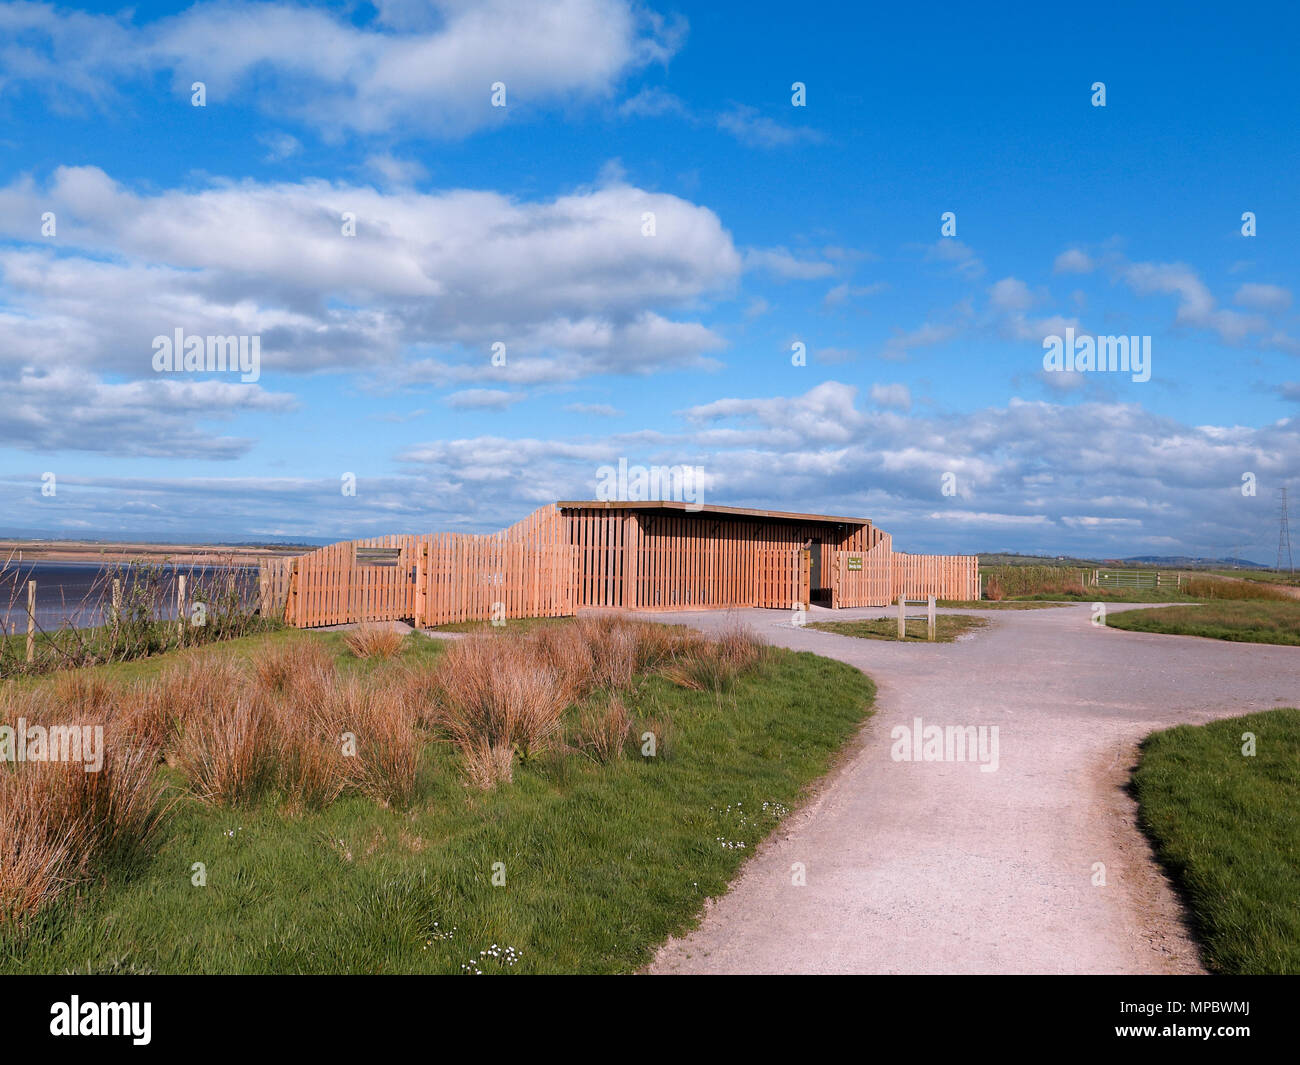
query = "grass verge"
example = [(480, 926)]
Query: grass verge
[(584, 860), (947, 627), (1251, 621), (1224, 826)]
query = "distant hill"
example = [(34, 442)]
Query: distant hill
[(1187, 562), (1003, 558)]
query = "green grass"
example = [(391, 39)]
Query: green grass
[(947, 627), (1225, 827), (602, 862), (1266, 576), (1251, 621)]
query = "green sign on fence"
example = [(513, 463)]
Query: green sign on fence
[(855, 561)]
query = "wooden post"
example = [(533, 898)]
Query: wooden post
[(902, 619), (631, 559), (929, 618), (180, 608), (31, 620)]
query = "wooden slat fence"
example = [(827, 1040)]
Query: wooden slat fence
[(864, 578), (554, 562), (880, 575), (942, 576), (482, 578), (273, 576), (430, 580)]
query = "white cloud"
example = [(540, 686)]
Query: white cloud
[(427, 285), (483, 399), (394, 171), (781, 263), (1272, 298), (750, 127), (421, 71), (595, 410), (961, 257), (1073, 261), (1009, 294), (896, 395), (1196, 307)]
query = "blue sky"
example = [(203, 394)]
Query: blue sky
[(774, 224)]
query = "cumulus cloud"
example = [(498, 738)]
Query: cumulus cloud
[(1010, 294), (1196, 306), (570, 285), (425, 68), (1073, 261)]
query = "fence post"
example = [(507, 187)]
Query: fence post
[(31, 620), (902, 620), (180, 609), (929, 618)]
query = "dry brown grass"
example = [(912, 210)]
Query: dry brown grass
[(61, 821), (604, 729), (1226, 588), (374, 641), (228, 750), (487, 766), (387, 745), (714, 665), (283, 666), (500, 693), (35, 853)]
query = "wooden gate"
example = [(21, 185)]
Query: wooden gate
[(431, 580), (782, 577)]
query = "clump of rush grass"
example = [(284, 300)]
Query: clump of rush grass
[(36, 855), (94, 806), (500, 694), (603, 730), (714, 665), (283, 666), (486, 765), (382, 749), (374, 641), (228, 751)]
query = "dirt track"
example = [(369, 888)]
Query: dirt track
[(938, 867)]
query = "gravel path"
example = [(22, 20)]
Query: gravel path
[(938, 867)]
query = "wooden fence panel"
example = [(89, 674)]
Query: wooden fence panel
[(942, 576), (880, 575)]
